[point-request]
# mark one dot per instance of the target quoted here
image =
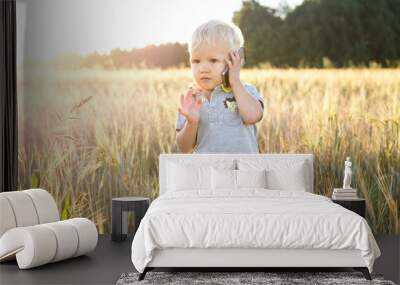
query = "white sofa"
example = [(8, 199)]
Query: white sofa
[(31, 231)]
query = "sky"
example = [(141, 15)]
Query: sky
[(46, 28)]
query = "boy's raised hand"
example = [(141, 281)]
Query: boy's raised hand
[(190, 106)]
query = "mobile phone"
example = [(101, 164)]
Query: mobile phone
[(225, 74)]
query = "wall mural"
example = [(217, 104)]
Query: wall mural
[(91, 127)]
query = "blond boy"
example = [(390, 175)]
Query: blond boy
[(212, 119)]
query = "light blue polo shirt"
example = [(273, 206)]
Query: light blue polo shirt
[(221, 129)]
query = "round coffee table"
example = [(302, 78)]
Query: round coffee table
[(120, 208)]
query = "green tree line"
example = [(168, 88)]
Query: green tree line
[(317, 33), (343, 32)]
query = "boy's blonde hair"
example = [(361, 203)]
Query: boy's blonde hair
[(215, 31)]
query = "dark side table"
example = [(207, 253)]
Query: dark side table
[(120, 208), (357, 205)]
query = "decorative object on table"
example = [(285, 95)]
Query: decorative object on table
[(245, 278), (120, 208), (31, 231), (357, 205), (347, 174), (345, 193)]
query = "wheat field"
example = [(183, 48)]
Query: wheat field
[(89, 135)]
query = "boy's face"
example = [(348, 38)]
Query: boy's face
[(207, 63)]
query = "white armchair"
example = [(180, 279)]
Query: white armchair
[(31, 230)]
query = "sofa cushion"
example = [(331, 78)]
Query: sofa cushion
[(46, 207), (7, 220)]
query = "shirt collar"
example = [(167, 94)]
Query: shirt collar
[(217, 88)]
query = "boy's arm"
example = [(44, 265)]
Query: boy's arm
[(186, 137), (250, 109)]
